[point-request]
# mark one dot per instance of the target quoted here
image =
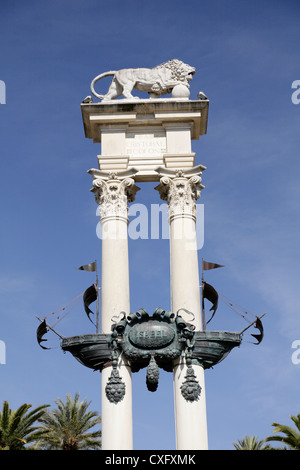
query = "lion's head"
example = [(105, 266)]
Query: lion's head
[(180, 71)]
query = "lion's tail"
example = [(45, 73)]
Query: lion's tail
[(102, 75)]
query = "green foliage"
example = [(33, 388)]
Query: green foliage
[(291, 436), (66, 428), (16, 427), (251, 443)]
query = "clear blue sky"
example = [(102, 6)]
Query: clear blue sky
[(246, 55)]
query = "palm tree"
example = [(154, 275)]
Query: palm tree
[(251, 443), (16, 427), (66, 427), (292, 435)]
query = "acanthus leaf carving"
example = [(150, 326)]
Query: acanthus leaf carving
[(113, 195), (181, 192)]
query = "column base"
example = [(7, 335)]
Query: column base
[(190, 416), (117, 432)]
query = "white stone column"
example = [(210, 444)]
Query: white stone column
[(181, 189), (113, 193)]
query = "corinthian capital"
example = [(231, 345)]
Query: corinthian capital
[(113, 192), (180, 189)]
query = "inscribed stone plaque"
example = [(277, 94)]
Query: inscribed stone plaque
[(145, 144)]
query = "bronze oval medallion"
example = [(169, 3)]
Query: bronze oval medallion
[(151, 335)]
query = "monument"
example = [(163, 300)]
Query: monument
[(149, 139)]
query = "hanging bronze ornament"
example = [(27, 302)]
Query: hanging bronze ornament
[(115, 387), (190, 388), (152, 375)]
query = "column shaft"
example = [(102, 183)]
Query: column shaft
[(113, 196), (181, 193), (115, 296)]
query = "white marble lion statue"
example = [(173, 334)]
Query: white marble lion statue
[(157, 81)]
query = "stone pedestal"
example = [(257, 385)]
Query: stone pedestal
[(145, 134)]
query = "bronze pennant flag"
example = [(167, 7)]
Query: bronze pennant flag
[(40, 332), (206, 265), (210, 293), (89, 267), (89, 296), (259, 326)]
